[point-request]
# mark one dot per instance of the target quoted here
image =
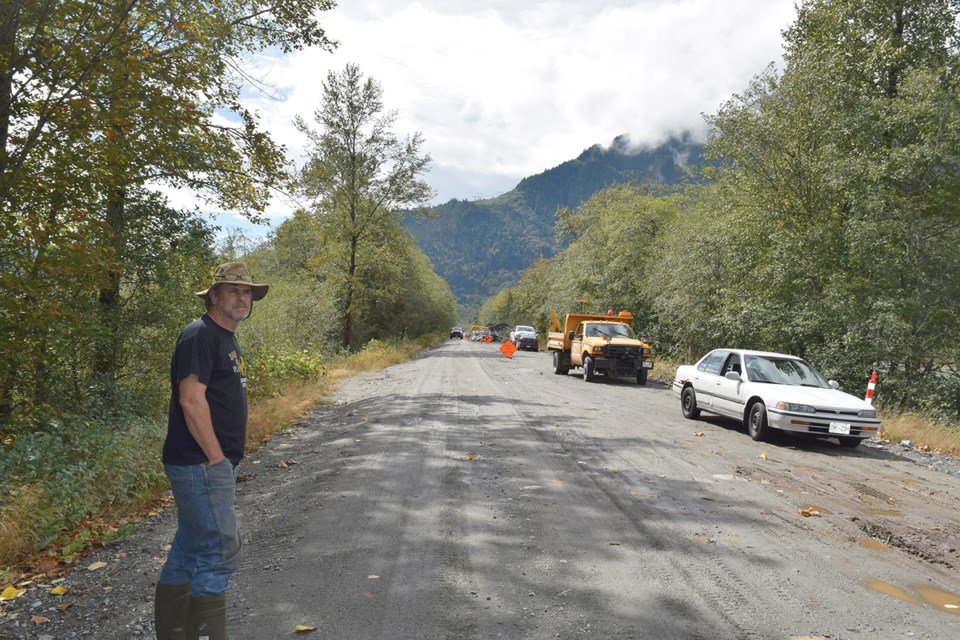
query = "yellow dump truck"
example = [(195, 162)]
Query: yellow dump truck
[(603, 344)]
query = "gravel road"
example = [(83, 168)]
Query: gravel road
[(464, 495)]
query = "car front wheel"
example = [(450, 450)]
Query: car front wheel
[(688, 404), (757, 421), (588, 370), (642, 376)]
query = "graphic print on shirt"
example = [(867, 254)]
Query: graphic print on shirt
[(239, 367)]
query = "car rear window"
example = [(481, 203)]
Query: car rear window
[(711, 363)]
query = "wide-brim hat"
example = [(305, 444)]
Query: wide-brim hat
[(235, 273)]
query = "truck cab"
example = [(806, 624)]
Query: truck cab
[(604, 344)]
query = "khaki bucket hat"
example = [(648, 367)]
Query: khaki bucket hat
[(235, 273)]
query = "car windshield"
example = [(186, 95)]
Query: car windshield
[(610, 330), (523, 327), (777, 370)]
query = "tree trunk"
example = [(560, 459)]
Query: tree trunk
[(348, 307), (893, 72), (9, 25), (105, 359)]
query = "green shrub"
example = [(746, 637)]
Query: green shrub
[(270, 371), (76, 468)]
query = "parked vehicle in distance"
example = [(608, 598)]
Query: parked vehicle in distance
[(456, 332), (527, 342), (602, 344), (773, 391), (519, 330)]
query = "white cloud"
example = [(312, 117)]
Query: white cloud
[(502, 90)]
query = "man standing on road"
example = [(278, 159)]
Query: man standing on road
[(206, 434)]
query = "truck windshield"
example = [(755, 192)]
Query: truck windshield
[(610, 330)]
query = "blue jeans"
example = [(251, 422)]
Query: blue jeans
[(206, 547)]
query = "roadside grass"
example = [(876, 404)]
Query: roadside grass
[(664, 369), (17, 537), (272, 415), (925, 434), (380, 354), (65, 494)]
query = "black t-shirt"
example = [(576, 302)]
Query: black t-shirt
[(211, 352)]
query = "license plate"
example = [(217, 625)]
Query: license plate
[(842, 428), (647, 364)]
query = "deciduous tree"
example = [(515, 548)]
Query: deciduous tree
[(361, 177), (100, 104)]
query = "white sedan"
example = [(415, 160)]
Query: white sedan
[(522, 331), (773, 391)]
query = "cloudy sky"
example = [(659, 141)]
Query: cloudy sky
[(504, 89)]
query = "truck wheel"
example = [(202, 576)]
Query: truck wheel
[(588, 370), (642, 376), (688, 404), (850, 443), (558, 367), (757, 421)]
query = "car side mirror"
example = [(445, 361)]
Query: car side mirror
[(732, 375), (834, 384), (571, 335)]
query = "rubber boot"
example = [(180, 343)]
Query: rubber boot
[(208, 618), (170, 611)]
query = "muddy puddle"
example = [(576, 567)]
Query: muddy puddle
[(920, 595)]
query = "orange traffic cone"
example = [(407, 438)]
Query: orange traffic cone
[(871, 385)]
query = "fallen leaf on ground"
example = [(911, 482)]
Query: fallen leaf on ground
[(373, 576), (762, 456), (58, 590), (47, 564), (806, 513), (282, 465), (698, 434), (11, 593), (472, 457), (39, 620), (614, 544), (302, 628), (96, 565)]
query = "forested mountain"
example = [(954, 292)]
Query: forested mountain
[(481, 246)]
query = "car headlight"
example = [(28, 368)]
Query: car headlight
[(798, 408), (867, 413), (598, 349)]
